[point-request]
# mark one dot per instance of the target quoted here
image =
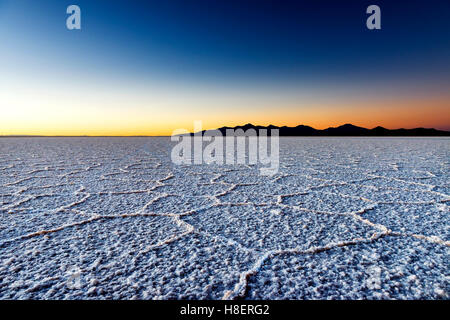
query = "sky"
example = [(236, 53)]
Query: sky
[(148, 68)]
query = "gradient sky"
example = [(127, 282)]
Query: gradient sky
[(147, 68)]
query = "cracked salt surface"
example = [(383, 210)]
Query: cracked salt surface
[(113, 218), (392, 267)]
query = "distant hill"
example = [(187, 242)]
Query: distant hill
[(344, 130)]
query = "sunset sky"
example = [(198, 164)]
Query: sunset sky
[(147, 68)]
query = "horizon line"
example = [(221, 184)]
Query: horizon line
[(247, 124)]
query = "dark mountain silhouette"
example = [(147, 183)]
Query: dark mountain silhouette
[(344, 130)]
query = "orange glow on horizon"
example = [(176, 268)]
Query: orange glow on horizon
[(389, 113)]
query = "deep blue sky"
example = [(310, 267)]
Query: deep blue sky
[(320, 47), (281, 39)]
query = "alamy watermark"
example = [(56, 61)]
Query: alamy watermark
[(73, 22), (232, 147), (373, 22), (73, 277)]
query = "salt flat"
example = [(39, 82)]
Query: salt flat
[(113, 218)]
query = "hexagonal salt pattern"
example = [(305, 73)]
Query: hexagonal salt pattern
[(265, 228), (422, 219), (114, 218), (102, 250), (390, 268)]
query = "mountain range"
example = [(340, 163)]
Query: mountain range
[(344, 130)]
